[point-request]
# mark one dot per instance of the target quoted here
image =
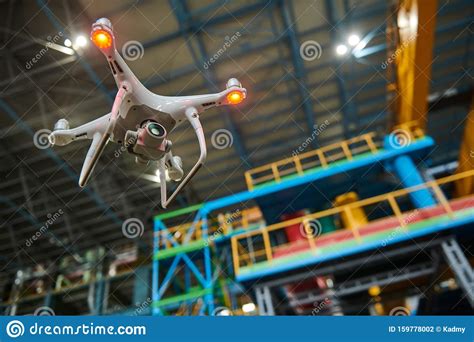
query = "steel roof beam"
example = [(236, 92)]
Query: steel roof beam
[(187, 26)]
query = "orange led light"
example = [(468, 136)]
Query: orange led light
[(235, 97), (102, 39)]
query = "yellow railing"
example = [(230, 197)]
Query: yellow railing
[(325, 156), (263, 249), (321, 157), (411, 129), (224, 224)]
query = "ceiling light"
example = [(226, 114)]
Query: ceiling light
[(81, 41), (341, 49), (249, 307), (67, 42), (353, 40)]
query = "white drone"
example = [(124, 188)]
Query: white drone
[(141, 120)]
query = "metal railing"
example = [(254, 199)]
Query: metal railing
[(323, 157), (263, 248), (303, 162), (222, 225)]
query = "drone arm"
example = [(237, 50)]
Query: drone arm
[(192, 116), (63, 137), (124, 88)]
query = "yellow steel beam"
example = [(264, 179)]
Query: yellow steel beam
[(414, 55), (466, 155)]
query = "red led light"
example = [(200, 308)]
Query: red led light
[(102, 39), (235, 97)]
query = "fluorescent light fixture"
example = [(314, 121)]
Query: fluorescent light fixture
[(353, 40), (341, 49), (249, 307)]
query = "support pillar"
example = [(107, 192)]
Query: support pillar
[(264, 301), (409, 176)]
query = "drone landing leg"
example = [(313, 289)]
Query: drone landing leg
[(98, 144), (100, 139), (193, 117), (162, 168)]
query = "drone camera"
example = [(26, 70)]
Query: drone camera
[(156, 130), (148, 142)]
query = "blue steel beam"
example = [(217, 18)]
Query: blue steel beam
[(211, 22), (162, 79), (34, 222), (464, 222), (360, 14), (346, 104), (415, 148), (63, 165), (186, 25), (86, 66), (299, 71)]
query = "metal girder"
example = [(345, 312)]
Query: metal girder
[(299, 71), (414, 56), (347, 107), (466, 155), (345, 265), (43, 5), (460, 265), (186, 25), (382, 279), (64, 166), (264, 301)]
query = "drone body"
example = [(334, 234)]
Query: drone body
[(141, 120)]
